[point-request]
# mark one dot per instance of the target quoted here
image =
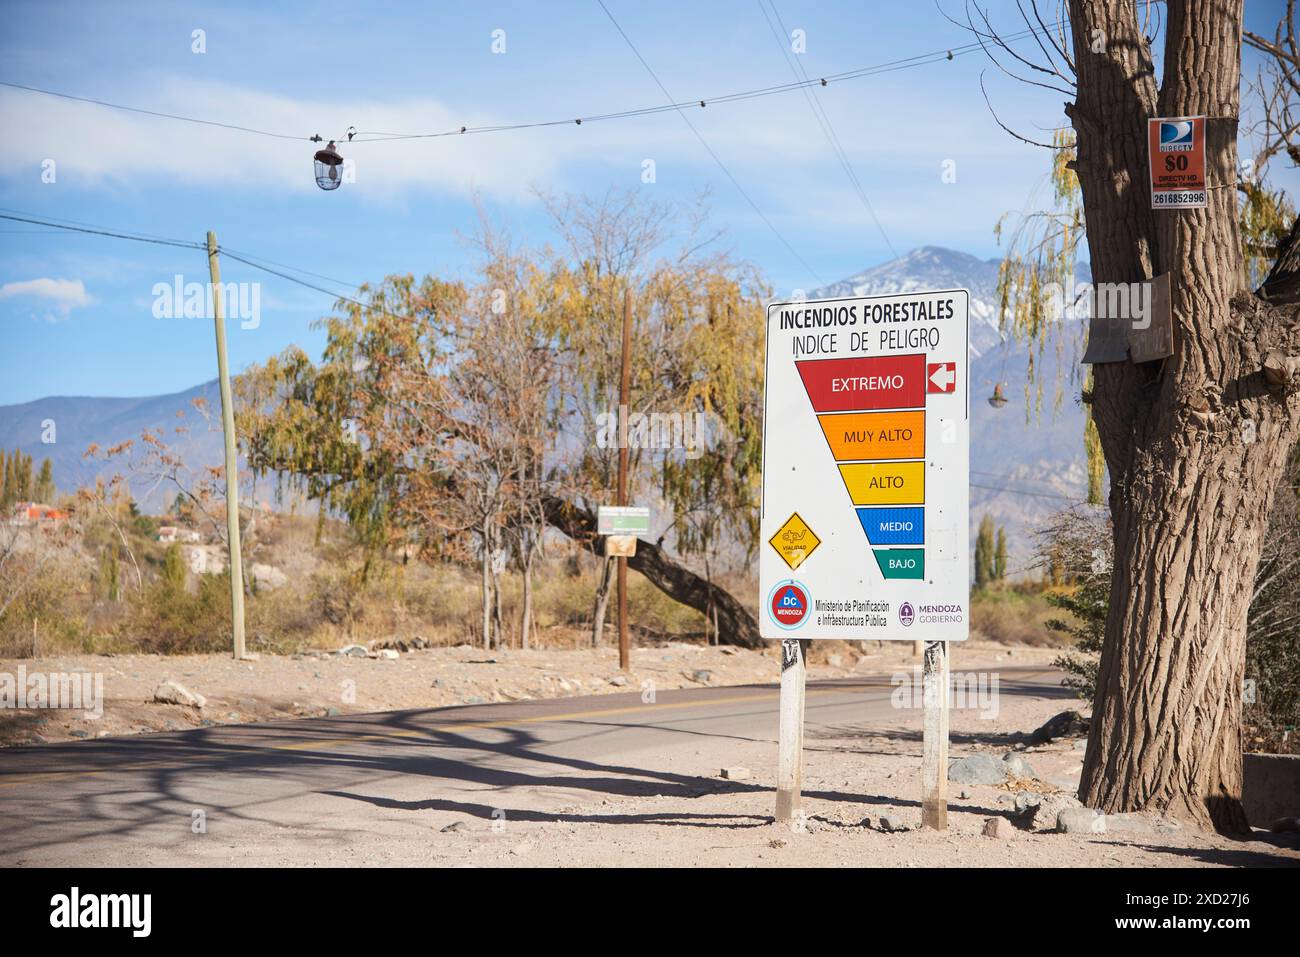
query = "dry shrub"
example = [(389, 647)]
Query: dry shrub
[(1014, 616)]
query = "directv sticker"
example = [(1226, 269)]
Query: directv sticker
[(866, 454), (1177, 147)]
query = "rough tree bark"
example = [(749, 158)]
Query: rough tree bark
[(600, 605), (1194, 444), (735, 625), (485, 566)]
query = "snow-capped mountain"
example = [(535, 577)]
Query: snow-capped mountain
[(933, 267), (1024, 466)]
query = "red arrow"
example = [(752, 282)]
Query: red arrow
[(943, 376)]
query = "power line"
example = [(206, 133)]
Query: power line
[(1018, 491), (822, 117), (60, 222), (274, 272), (182, 243), (703, 142), (1010, 478), (305, 272), (157, 113), (889, 66), (188, 244)]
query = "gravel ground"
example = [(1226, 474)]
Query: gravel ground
[(275, 687), (855, 774)]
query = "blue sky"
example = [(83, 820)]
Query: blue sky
[(76, 311)]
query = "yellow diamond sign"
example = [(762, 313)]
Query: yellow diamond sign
[(794, 541)]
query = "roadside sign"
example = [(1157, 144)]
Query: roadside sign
[(620, 546), (1155, 339), (794, 541), (866, 465), (1177, 151), (622, 520)]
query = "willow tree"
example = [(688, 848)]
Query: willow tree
[(712, 488), (462, 417), (317, 425), (1194, 444), (696, 347)]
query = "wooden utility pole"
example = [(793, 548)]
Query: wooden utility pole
[(789, 773), (624, 644), (934, 744), (232, 459)]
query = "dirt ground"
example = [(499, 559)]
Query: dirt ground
[(320, 683), (846, 792), (855, 773)]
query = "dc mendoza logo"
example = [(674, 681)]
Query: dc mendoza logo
[(788, 604), (906, 613), (1176, 137)]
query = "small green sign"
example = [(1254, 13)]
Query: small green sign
[(623, 520)]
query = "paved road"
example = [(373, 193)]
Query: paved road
[(306, 791)]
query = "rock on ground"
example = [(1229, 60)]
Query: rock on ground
[(1017, 766), (1039, 812), (998, 827), (1067, 724), (1081, 820), (977, 769), (173, 692), (1128, 824)]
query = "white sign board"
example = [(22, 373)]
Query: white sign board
[(866, 469), (622, 520)]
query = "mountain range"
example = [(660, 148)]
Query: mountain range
[(1023, 466)]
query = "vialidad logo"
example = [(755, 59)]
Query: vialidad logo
[(788, 604)]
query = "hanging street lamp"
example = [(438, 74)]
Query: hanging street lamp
[(328, 163)]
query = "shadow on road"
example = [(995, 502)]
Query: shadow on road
[(118, 787)]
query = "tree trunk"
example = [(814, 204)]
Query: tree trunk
[(498, 631), (1194, 444), (526, 615), (602, 602), (736, 625), (487, 585)]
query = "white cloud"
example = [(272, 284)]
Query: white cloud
[(94, 146), (760, 140), (64, 294)]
